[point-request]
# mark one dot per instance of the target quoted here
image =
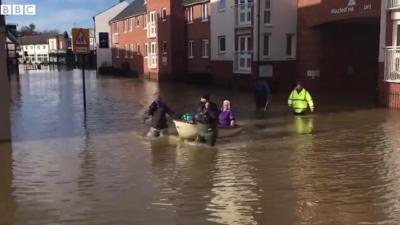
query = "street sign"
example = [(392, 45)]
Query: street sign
[(80, 40)]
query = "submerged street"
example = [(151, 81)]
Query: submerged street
[(340, 165)]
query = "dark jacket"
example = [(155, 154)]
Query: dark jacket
[(208, 116), (158, 110)]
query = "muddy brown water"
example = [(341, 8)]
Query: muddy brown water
[(338, 166)]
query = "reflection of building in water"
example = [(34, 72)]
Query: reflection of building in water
[(235, 191), (7, 201)]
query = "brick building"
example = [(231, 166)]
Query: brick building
[(389, 59)]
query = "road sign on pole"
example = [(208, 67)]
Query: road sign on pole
[(80, 45), (80, 40)]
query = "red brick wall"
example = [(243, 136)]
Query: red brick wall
[(198, 31), (344, 47)]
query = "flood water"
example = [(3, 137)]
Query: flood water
[(338, 166)]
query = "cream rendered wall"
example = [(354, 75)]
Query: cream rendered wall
[(222, 24), (283, 22), (102, 25)]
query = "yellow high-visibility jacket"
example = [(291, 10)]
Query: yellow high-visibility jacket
[(300, 101)]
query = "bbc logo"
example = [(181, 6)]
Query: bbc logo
[(18, 10)]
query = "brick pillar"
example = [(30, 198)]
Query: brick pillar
[(5, 134)]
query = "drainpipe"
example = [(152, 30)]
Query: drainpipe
[(258, 37)]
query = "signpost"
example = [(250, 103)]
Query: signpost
[(80, 46)]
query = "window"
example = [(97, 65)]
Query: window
[(164, 14), (131, 51), (152, 31), (137, 21), (190, 49), (189, 15), (267, 12), (153, 55), (164, 47), (290, 42), (221, 44), (38, 47), (221, 5), (398, 35), (117, 51), (31, 47), (126, 51), (204, 48), (146, 49), (145, 21), (138, 49), (204, 12), (266, 49), (130, 24)]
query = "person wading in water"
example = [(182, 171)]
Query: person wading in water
[(158, 111), (207, 120), (300, 100)]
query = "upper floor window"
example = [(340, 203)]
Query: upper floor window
[(145, 21), (222, 5), (164, 14), (267, 12), (189, 14), (137, 21), (290, 45), (204, 12), (130, 24)]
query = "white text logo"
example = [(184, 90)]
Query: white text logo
[(18, 10)]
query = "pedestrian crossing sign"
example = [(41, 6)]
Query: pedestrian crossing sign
[(80, 40)]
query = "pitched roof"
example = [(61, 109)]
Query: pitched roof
[(105, 10), (34, 39), (192, 2), (137, 7)]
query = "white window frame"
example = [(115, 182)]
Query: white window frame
[(220, 9), (126, 51), (146, 50), (130, 24), (205, 45), (117, 51), (245, 53), (267, 9), (268, 55), (189, 15), (245, 10), (164, 48), (292, 45), (190, 53), (125, 26), (137, 20), (164, 14), (151, 23), (137, 49), (145, 21), (219, 44), (204, 12), (131, 51), (152, 62)]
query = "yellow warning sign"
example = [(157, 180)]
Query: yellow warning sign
[(80, 40)]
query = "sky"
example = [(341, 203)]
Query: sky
[(60, 14)]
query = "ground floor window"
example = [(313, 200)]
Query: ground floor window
[(221, 44), (266, 44), (152, 62), (290, 45), (117, 51), (204, 47), (190, 49), (164, 47)]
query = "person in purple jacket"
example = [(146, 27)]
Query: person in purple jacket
[(226, 116)]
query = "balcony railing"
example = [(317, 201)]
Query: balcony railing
[(244, 15), (392, 64), (393, 4), (242, 62), (115, 38)]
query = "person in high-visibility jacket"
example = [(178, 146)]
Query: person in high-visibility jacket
[(300, 100)]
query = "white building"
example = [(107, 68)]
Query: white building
[(253, 36), (102, 27), (34, 49)]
